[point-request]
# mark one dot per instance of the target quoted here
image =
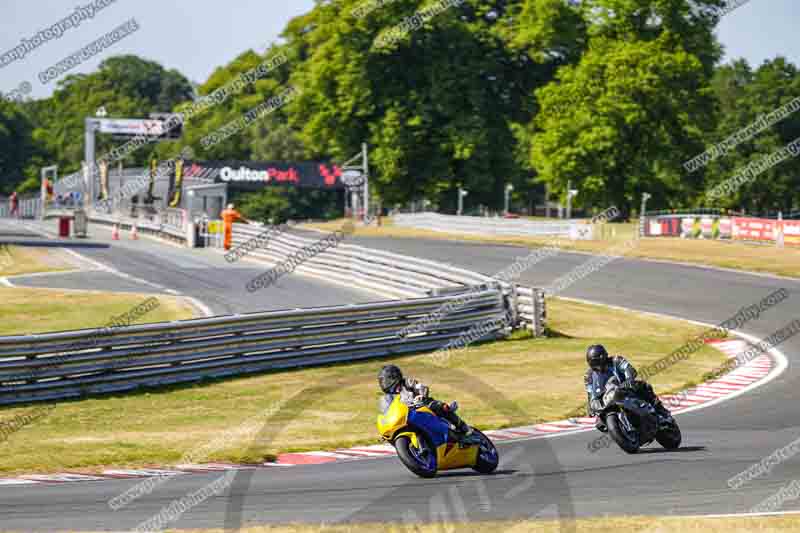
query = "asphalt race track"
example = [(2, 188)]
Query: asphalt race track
[(148, 265), (551, 478)]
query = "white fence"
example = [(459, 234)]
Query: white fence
[(483, 225)]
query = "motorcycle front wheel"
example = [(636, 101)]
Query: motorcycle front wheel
[(420, 460), (628, 441), (488, 458)]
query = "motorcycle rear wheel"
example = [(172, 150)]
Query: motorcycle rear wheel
[(670, 438), (488, 458), (628, 442), (410, 458)]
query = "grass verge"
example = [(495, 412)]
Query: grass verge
[(17, 260), (736, 255), (503, 384), (28, 310)]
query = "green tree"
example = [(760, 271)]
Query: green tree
[(126, 86), (617, 124), (744, 95), (235, 105), (636, 105), (18, 151), (435, 107)]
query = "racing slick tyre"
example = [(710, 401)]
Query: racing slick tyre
[(488, 458), (422, 460), (629, 442), (670, 438)]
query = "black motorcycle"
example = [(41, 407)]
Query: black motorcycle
[(633, 422)]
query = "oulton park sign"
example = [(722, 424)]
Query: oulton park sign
[(256, 174)]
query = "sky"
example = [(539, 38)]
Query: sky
[(195, 37)]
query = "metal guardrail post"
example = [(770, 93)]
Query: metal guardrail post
[(532, 309), (539, 312), (513, 306)]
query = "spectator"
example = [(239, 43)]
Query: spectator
[(14, 203)]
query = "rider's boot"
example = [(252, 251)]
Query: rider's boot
[(462, 432), (463, 428)]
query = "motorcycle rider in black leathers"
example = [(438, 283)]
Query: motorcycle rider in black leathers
[(413, 393), (601, 369)]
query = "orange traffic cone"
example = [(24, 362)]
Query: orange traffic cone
[(115, 233), (134, 232)]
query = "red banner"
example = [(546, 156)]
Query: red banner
[(662, 227), (754, 229), (791, 231)]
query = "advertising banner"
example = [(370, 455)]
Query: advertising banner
[(754, 229), (663, 227), (725, 228), (176, 184), (706, 227), (131, 127), (654, 228), (583, 232), (791, 232), (688, 227), (255, 175)]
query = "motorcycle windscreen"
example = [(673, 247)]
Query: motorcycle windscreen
[(599, 383)]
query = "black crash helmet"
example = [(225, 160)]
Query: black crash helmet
[(389, 378)]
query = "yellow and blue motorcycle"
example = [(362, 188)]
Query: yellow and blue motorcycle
[(426, 443)]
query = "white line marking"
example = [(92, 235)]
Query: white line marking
[(200, 305), (4, 482), (742, 515)]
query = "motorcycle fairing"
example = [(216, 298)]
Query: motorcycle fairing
[(434, 427), (644, 417)]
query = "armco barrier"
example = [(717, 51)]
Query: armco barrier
[(385, 272), (483, 225), (74, 364), (389, 273)]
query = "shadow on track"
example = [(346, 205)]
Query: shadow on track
[(677, 450)]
